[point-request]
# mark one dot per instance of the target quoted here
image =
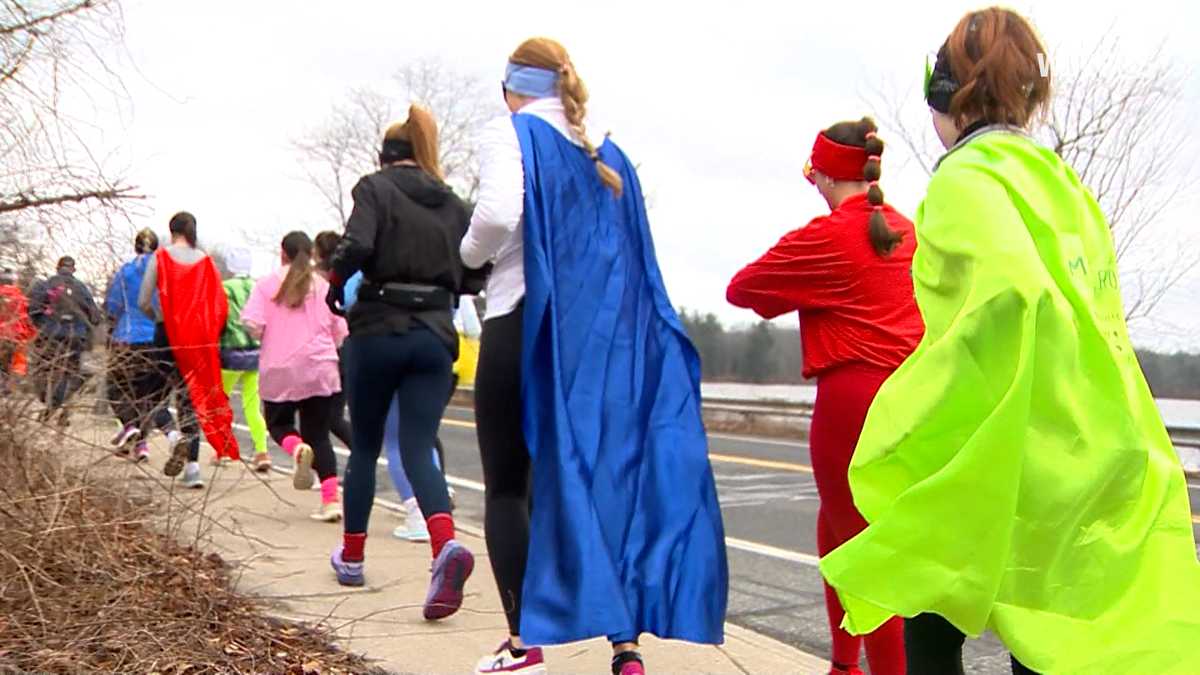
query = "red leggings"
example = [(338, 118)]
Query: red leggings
[(843, 397)]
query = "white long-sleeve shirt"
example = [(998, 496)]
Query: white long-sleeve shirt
[(495, 233)]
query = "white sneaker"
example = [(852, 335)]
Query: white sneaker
[(191, 476), (502, 661), (302, 475), (414, 528), (328, 513)]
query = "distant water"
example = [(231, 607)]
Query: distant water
[(1177, 413)]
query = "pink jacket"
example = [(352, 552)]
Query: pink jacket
[(299, 357)]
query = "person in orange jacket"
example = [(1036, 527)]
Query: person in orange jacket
[(15, 329)]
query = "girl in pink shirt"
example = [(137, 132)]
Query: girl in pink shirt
[(298, 366)]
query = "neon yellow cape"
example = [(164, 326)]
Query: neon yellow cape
[(1015, 471)]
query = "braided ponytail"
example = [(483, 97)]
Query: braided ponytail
[(862, 134), (883, 238), (548, 54)]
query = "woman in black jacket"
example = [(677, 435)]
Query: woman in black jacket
[(403, 234)]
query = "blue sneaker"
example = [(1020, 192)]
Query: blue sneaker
[(450, 572), (348, 573)]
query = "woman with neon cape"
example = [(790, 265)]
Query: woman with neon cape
[(848, 275), (1015, 471), (587, 396)]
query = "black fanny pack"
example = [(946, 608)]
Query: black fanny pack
[(413, 297)]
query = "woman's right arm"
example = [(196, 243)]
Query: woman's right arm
[(804, 270), (501, 194)]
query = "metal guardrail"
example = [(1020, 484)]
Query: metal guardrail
[(786, 412)]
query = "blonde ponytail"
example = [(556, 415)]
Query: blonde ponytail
[(421, 132), (550, 55)]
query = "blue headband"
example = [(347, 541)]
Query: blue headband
[(531, 81)]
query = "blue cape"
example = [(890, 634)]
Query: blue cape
[(625, 534)]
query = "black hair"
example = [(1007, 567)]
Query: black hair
[(184, 223)]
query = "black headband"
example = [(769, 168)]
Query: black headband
[(940, 85), (395, 150)]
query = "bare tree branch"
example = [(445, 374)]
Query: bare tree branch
[(33, 21), (19, 202), (56, 193), (345, 145)]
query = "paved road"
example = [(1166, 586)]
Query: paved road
[(769, 503)]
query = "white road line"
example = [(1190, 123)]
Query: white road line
[(772, 551), (724, 437), (731, 542)]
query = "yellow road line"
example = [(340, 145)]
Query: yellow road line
[(760, 463), (729, 459)]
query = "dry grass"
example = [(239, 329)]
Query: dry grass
[(91, 580)]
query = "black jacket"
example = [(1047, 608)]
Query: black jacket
[(62, 307), (406, 227)]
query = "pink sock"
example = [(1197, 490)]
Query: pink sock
[(329, 490), (290, 442)]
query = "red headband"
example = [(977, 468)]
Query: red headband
[(839, 162)]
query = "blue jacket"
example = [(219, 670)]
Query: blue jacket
[(130, 324)]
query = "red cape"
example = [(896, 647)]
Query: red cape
[(194, 310)]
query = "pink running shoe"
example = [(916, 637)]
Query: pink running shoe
[(628, 663), (450, 573)]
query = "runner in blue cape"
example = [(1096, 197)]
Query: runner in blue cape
[(587, 395)]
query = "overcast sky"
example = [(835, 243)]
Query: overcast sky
[(718, 102)]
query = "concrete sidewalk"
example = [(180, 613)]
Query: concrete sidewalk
[(260, 524)]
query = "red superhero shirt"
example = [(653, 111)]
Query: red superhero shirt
[(855, 306)]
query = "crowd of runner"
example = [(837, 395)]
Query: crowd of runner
[(987, 454)]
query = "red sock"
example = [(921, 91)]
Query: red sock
[(441, 530), (352, 546)]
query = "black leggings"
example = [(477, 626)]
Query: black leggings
[(413, 368), (132, 377), (316, 415), (934, 647), (339, 426), (506, 465), (166, 380), (59, 369)]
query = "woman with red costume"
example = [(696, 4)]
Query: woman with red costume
[(848, 274), (190, 317)]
